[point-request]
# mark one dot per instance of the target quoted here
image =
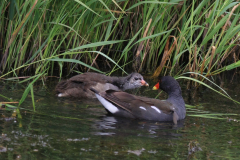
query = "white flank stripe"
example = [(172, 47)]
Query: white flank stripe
[(60, 95), (158, 110), (142, 108), (109, 106)]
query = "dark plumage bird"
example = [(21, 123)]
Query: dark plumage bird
[(127, 105), (79, 85)]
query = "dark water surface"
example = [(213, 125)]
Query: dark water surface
[(72, 129)]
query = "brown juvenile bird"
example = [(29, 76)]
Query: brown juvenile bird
[(79, 85)]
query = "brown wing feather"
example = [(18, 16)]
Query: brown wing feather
[(109, 95), (78, 86), (122, 96), (89, 77), (132, 103), (165, 106)]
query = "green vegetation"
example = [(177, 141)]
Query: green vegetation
[(45, 38)]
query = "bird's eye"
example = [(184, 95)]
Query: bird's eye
[(136, 78)]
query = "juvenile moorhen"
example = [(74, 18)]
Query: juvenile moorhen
[(79, 85), (127, 105)]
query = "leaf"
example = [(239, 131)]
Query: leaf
[(152, 36), (25, 93), (150, 2), (11, 106), (232, 66), (91, 45), (108, 9), (75, 61), (32, 95), (86, 7)]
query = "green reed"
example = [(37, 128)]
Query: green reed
[(196, 36)]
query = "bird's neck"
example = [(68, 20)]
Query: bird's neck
[(177, 100), (118, 81)]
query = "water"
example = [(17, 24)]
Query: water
[(73, 129)]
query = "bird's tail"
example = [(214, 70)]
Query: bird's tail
[(94, 90)]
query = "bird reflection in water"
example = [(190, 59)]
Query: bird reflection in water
[(111, 125)]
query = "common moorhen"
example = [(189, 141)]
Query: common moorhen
[(79, 85), (127, 105)]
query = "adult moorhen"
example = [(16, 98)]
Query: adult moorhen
[(79, 85), (127, 105)]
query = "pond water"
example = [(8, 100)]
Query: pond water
[(73, 129)]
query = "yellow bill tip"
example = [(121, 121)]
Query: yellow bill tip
[(154, 88)]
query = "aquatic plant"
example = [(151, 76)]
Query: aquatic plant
[(196, 36)]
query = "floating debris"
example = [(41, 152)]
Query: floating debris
[(193, 147), (3, 149), (77, 140), (137, 152), (151, 151)]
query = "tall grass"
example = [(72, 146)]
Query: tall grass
[(196, 36), (208, 38)]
